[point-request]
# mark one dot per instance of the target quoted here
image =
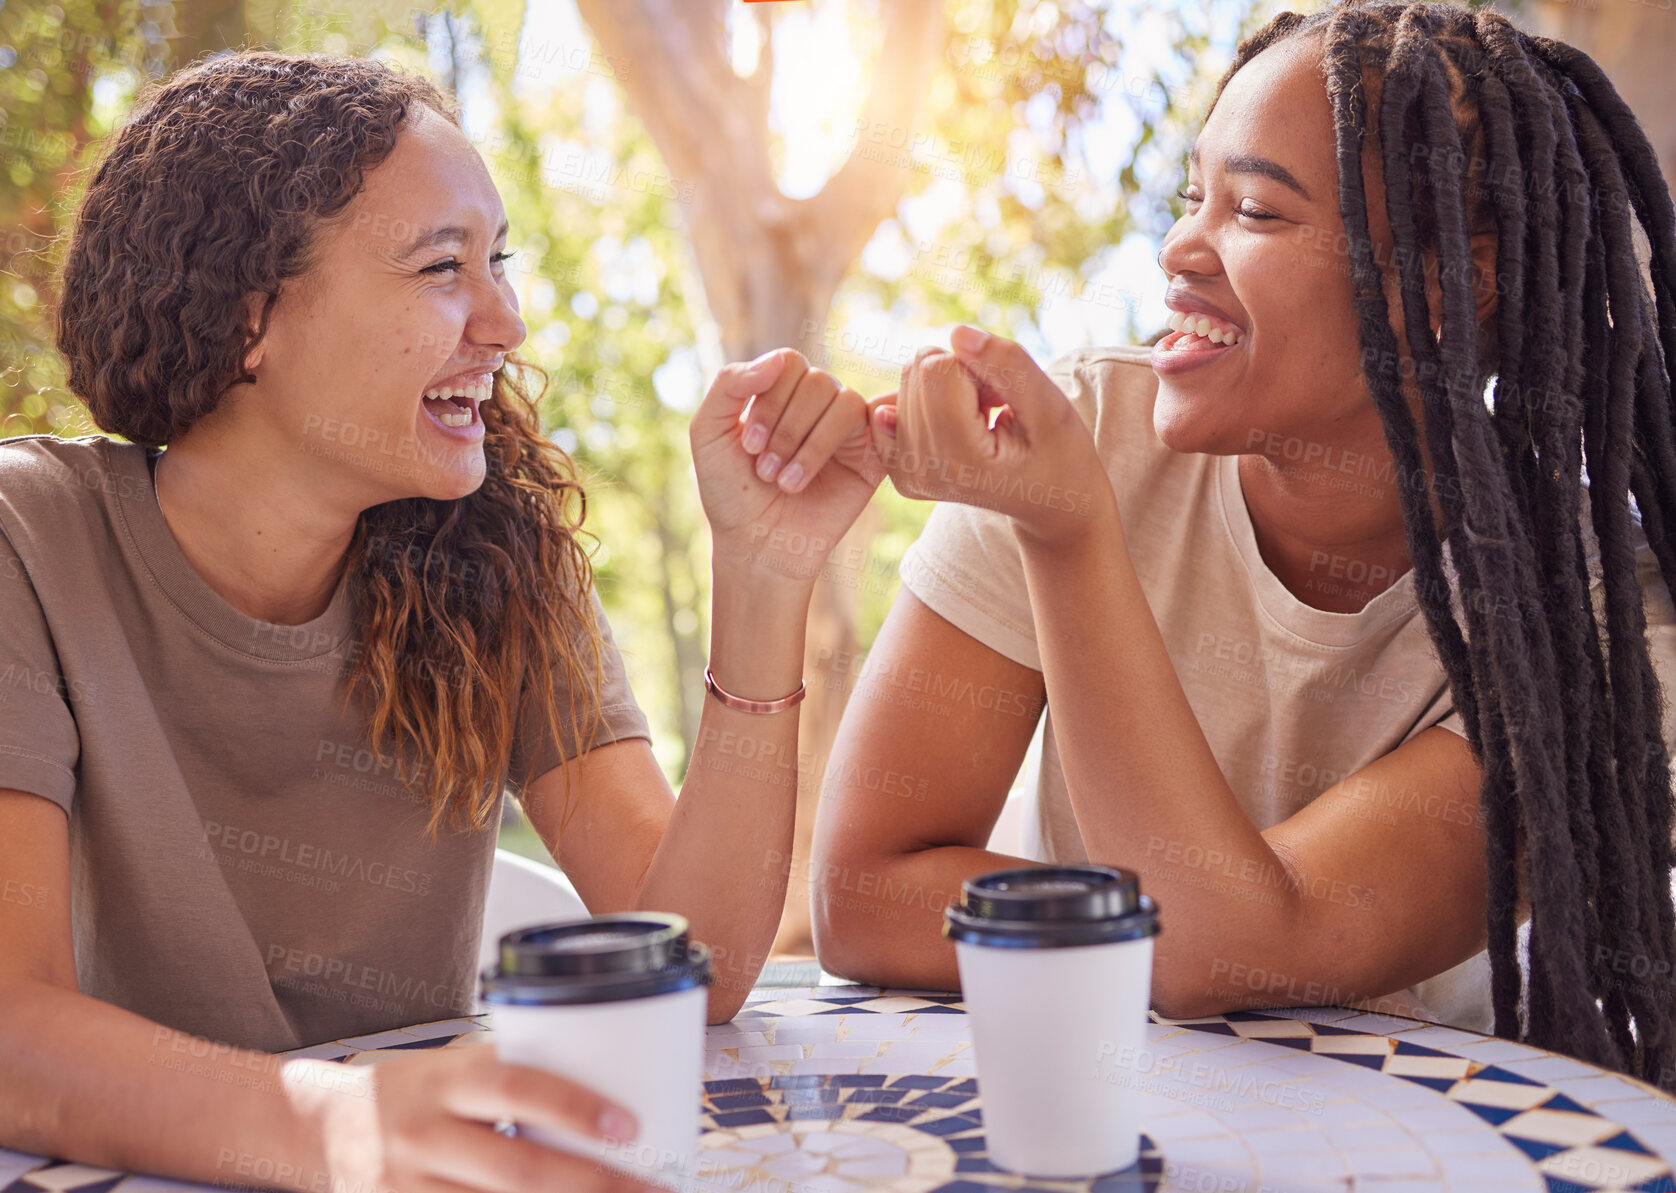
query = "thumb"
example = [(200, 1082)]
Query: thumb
[(1003, 371), (881, 421), (734, 386)]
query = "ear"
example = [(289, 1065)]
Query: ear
[(250, 309), (1485, 287), (1484, 269)]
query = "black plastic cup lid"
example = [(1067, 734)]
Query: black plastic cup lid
[(1048, 907), (601, 959)]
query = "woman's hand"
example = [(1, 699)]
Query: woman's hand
[(782, 479), (1038, 464), (426, 1124)]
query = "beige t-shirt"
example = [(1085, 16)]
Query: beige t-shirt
[(242, 866), (1291, 698)]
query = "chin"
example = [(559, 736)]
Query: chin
[(433, 480), (1182, 423), (441, 470), (1213, 423), (453, 485)]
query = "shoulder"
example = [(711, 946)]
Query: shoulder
[(1109, 386), (1117, 366), (1113, 389), (53, 490), (30, 463)]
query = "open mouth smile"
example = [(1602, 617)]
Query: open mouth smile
[(453, 406), (1195, 339)]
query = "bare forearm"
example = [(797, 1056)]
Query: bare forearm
[(1146, 789), (84, 1080), (881, 921), (724, 858)]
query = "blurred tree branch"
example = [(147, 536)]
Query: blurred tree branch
[(770, 264)]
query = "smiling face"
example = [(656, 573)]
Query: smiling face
[(375, 362), (1258, 259)]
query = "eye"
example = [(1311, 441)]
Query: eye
[(1187, 194), (1255, 214), (452, 265)]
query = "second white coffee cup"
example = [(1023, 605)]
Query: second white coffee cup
[(1056, 972)]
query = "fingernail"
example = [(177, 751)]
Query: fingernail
[(887, 418), (756, 437), (968, 339), (767, 465), (618, 1125), (762, 360), (791, 478)]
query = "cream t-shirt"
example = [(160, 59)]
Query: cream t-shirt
[(242, 865), (1291, 698)]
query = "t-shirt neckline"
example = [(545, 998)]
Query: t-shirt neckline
[(136, 497), (1321, 626)]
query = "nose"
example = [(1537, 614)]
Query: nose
[(1187, 250), (494, 321)]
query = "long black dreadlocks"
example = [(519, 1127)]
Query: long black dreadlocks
[(1480, 125)]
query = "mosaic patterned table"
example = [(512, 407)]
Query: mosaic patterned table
[(842, 1089)]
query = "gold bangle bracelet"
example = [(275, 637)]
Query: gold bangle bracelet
[(754, 706)]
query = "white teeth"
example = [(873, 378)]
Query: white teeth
[(477, 393), (1199, 325)]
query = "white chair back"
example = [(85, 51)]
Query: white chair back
[(521, 893)]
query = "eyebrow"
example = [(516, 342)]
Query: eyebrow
[(1250, 163), (452, 234)]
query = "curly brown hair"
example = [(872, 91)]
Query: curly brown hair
[(211, 194)]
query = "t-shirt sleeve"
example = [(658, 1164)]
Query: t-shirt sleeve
[(966, 567), (39, 743), (1454, 724), (620, 715)]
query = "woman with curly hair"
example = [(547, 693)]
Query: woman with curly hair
[(1354, 660), (271, 662)]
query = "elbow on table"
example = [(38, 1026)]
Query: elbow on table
[(724, 1004), (828, 929), (841, 941), (1181, 994)]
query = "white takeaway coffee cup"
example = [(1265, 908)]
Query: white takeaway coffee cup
[(617, 1004), (1056, 972)]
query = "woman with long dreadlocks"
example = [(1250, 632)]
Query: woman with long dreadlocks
[(1352, 660)]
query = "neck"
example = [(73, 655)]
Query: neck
[(249, 524), (1335, 545)]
